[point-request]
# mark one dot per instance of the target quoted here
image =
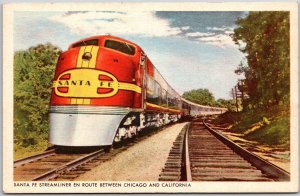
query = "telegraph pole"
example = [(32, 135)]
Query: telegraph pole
[(236, 99)]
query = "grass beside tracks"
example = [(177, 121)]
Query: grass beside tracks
[(24, 147), (271, 127)]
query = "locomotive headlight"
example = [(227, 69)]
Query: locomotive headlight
[(87, 56)]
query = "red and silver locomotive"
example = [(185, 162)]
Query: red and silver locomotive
[(106, 89)]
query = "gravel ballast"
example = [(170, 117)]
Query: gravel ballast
[(141, 162)]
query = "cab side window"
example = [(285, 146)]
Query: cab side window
[(93, 42), (120, 46)]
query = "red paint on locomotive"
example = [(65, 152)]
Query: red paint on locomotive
[(124, 67)]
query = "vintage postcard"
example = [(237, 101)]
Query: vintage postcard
[(150, 97)]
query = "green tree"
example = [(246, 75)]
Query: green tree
[(229, 104), (264, 38), (200, 96), (33, 73)]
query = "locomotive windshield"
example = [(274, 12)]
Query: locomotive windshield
[(120, 46), (93, 42)]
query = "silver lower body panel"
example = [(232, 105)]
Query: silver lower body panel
[(84, 126)]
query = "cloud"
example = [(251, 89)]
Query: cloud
[(138, 23), (217, 36), (117, 23), (199, 34), (228, 32), (220, 40), (223, 28), (185, 28), (216, 28)]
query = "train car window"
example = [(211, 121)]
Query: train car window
[(153, 91), (185, 106), (120, 46), (93, 42), (172, 102), (179, 103), (164, 101)]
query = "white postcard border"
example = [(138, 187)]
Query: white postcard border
[(8, 13)]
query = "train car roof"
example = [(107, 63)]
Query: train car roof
[(199, 105), (194, 104), (106, 36)]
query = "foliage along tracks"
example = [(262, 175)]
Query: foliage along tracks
[(203, 154)]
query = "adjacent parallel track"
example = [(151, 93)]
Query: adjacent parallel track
[(214, 157), (212, 160), (206, 155)]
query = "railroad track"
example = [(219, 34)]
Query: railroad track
[(206, 155), (59, 164), (50, 164), (174, 167)]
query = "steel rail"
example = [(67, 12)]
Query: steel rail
[(68, 166), (264, 165), (32, 158), (187, 158)]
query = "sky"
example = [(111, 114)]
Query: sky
[(191, 50)]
